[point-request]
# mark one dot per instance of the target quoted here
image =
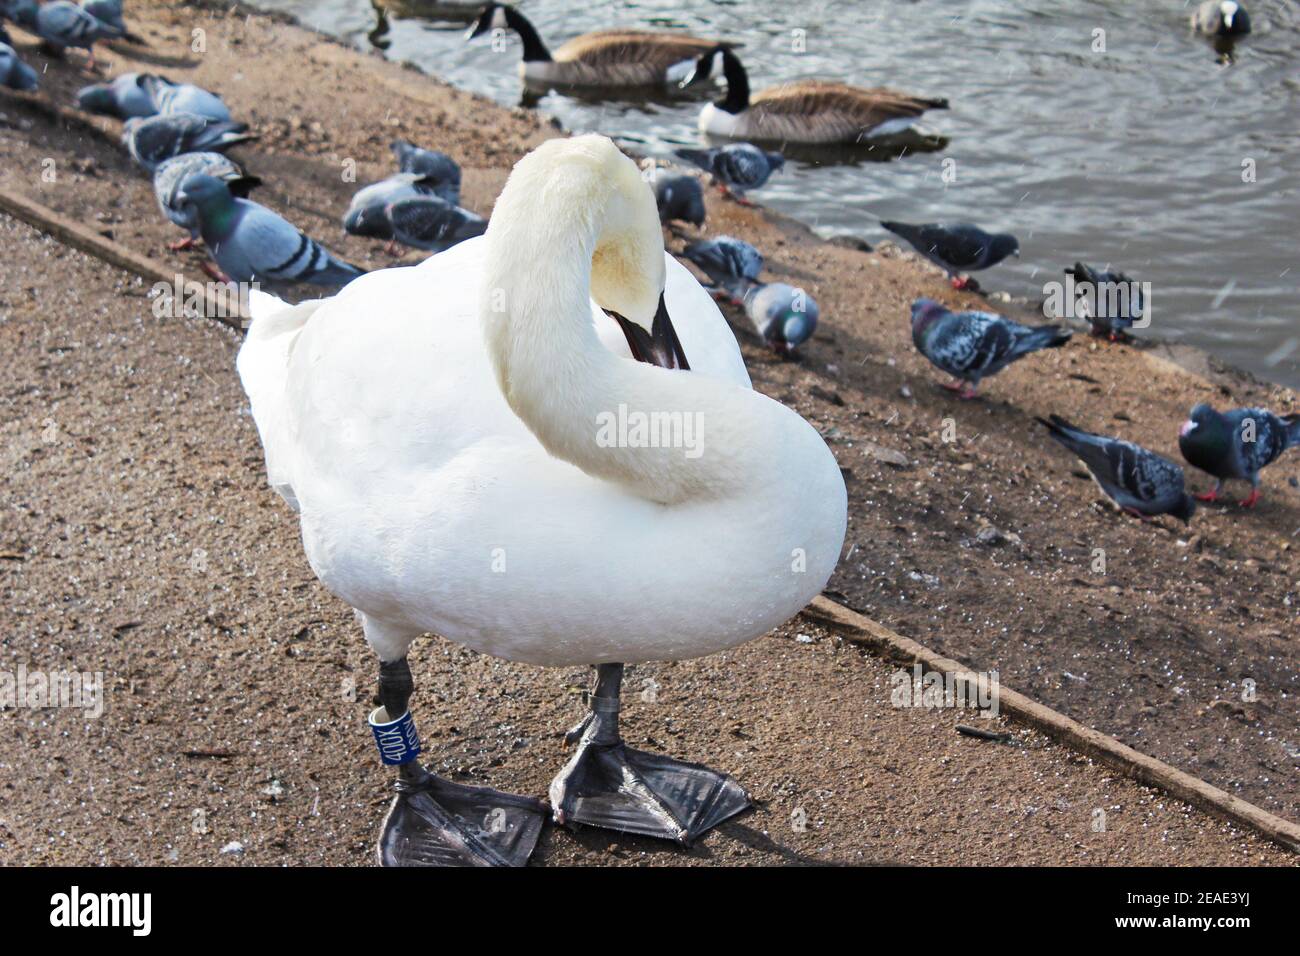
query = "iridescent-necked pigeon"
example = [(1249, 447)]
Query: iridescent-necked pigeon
[(1236, 444)]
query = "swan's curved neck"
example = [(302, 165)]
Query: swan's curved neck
[(660, 433)]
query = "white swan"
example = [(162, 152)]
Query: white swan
[(445, 433)]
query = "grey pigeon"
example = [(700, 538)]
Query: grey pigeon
[(1221, 18), (251, 243), (956, 247), (155, 138), (1135, 478), (679, 198), (169, 98), (732, 265), (171, 173), (21, 12), (14, 73), (736, 167), (110, 12), (435, 169), (427, 222), (63, 24), (1114, 303), (365, 215), (785, 316), (124, 96), (1236, 444), (973, 345)]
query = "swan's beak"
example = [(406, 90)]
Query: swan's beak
[(660, 346)]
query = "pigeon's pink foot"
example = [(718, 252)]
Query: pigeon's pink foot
[(181, 244), (216, 273), (391, 248), (1139, 515), (1251, 498), (961, 282), (953, 386), (1211, 495)]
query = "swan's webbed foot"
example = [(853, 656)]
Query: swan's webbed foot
[(609, 784), (434, 822)]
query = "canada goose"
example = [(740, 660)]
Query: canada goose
[(429, 424), (806, 111), (603, 58)]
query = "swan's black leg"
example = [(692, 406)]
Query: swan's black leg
[(434, 822), (609, 784)]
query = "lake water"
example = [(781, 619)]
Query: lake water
[(1141, 147)]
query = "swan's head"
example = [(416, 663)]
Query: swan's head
[(586, 184)]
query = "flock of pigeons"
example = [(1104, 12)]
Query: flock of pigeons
[(178, 133)]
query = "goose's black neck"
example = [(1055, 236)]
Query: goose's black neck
[(534, 49), (737, 98)]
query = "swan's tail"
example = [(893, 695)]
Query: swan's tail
[(263, 364)]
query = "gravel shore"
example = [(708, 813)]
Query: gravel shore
[(139, 540)]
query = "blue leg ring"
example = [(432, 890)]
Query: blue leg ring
[(397, 739)]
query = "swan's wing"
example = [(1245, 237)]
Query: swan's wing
[(263, 365), (706, 338)]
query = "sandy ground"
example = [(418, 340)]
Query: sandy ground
[(138, 540)]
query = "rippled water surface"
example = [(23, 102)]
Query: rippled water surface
[(1133, 157)]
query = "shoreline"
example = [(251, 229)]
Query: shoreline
[(1027, 606)]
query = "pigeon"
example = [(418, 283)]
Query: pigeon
[(427, 222), (171, 173), (250, 243), (1221, 18), (732, 265), (1112, 301), (14, 73), (437, 170), (21, 12), (1138, 480), (1236, 444), (736, 167), (124, 97), (171, 98), (63, 24), (972, 345), (679, 198), (153, 139), (110, 12), (785, 316), (365, 215), (957, 246)]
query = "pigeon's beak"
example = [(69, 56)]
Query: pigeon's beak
[(1017, 252), (689, 78), (1189, 426)]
